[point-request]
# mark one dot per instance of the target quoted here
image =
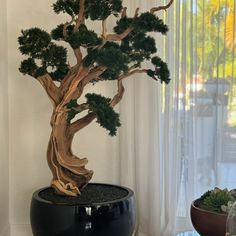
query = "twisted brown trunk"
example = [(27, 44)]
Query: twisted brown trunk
[(69, 172)]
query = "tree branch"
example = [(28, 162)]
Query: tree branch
[(68, 78), (94, 73), (121, 90), (124, 12), (80, 18), (154, 9), (117, 98), (81, 123), (51, 89), (104, 29), (82, 107), (65, 34), (73, 85), (117, 37), (132, 72), (78, 56)]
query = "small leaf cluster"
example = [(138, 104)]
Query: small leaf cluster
[(57, 33), (106, 116), (70, 7), (111, 57), (83, 37), (114, 59), (95, 10), (148, 22), (101, 9), (139, 46), (43, 55), (161, 71)]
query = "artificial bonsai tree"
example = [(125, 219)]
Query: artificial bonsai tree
[(109, 56)]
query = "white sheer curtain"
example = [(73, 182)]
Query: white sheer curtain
[(178, 141)]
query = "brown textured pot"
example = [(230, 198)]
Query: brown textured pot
[(207, 223)]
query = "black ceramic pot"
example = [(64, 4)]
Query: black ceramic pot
[(110, 218)]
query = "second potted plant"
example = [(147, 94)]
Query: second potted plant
[(209, 212)]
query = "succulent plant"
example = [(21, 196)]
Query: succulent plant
[(218, 200)]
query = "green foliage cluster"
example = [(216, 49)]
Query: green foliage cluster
[(139, 46), (148, 22), (101, 9), (57, 33), (215, 199), (70, 7), (161, 70), (43, 55), (46, 57), (84, 37), (114, 59), (95, 10), (111, 57), (106, 116)]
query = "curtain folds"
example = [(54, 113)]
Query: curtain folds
[(179, 140)]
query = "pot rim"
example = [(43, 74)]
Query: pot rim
[(206, 211), (128, 196)]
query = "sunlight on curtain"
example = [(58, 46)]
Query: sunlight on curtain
[(199, 105), (179, 140)]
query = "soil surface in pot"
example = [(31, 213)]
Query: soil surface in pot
[(91, 194)]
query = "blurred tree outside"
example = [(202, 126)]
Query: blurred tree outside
[(216, 41)]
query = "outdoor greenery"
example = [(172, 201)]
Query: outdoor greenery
[(216, 42)]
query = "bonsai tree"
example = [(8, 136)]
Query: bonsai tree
[(109, 56)]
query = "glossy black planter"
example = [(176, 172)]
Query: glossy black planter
[(112, 218)]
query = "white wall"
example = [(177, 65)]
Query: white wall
[(29, 114), (4, 176)]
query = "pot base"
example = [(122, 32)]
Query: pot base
[(114, 217), (207, 223)]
